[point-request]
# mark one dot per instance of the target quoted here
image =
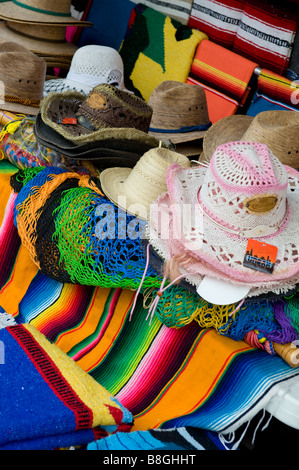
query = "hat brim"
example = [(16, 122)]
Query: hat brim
[(203, 256), (227, 129), (178, 138), (38, 46), (60, 85), (11, 12), (119, 136), (103, 153), (19, 108)]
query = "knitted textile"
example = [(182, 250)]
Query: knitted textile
[(74, 234), (49, 399), (156, 48)]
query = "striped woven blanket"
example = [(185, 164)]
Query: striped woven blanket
[(261, 31), (165, 377), (224, 75), (49, 400)]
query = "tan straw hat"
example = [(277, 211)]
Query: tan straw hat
[(279, 130), (22, 75), (40, 11), (134, 190), (180, 112), (43, 40)]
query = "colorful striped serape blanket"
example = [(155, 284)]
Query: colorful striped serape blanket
[(165, 377), (261, 31), (150, 367), (224, 75), (274, 92), (48, 400)]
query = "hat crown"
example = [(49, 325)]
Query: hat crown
[(95, 64), (245, 186), (54, 7), (108, 106), (177, 105), (22, 73)]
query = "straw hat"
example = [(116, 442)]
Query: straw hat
[(279, 130), (109, 124), (135, 189), (244, 194), (22, 74), (180, 112), (91, 65), (105, 112), (41, 39), (40, 11)]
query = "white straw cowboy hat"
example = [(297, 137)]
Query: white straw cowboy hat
[(40, 11), (91, 65), (22, 75), (180, 112), (135, 189), (244, 194), (278, 129)]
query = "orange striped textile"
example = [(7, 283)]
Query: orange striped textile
[(225, 76)]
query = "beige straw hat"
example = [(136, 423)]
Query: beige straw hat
[(279, 130), (22, 75), (134, 190), (40, 11), (43, 40), (180, 112)]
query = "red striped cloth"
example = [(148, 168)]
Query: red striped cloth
[(224, 75), (219, 19), (266, 34)]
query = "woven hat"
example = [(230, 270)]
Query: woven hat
[(40, 11), (46, 41), (277, 129), (109, 122), (180, 112), (135, 189), (22, 74), (244, 194), (91, 65)]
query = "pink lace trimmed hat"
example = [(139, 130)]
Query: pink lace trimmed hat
[(235, 220)]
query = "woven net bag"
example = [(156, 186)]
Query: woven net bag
[(75, 234)]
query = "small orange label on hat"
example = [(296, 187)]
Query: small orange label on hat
[(66, 121), (261, 204), (260, 256)]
